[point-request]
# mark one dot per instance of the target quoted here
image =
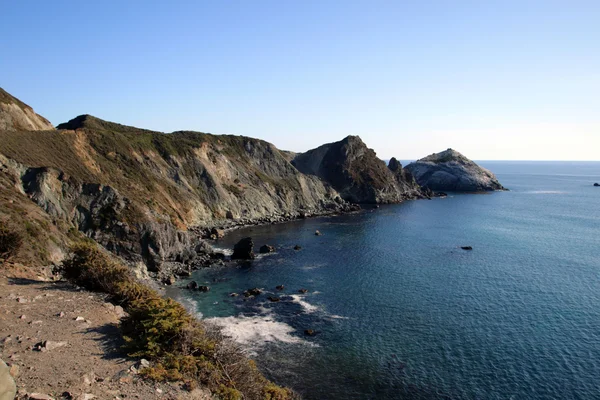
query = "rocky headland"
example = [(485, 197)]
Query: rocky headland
[(450, 171)]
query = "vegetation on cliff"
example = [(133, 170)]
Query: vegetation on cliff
[(161, 330)]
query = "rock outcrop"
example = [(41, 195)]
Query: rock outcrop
[(450, 171), (243, 250), (18, 116), (8, 389), (354, 170)]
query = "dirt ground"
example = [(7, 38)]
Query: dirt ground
[(81, 359)]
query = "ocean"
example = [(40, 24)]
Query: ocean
[(400, 311)]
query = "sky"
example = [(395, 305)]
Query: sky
[(495, 80)]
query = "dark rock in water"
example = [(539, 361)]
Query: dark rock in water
[(466, 247), (303, 291), (233, 295), (252, 292), (266, 249), (273, 299), (193, 285), (596, 184), (203, 288), (451, 171), (280, 287), (310, 332), (297, 247), (317, 233), (217, 256), (243, 250), (441, 194)]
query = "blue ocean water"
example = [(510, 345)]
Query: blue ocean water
[(401, 312)]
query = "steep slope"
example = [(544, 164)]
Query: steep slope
[(141, 194), (451, 171), (356, 173), (16, 115)]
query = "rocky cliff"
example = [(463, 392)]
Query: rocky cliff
[(354, 170), (450, 171), (144, 194), (16, 115)]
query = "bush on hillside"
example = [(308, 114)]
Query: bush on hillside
[(160, 329), (10, 242)]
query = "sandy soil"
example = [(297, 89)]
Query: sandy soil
[(88, 364)]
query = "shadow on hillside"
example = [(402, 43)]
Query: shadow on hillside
[(112, 342), (45, 285)]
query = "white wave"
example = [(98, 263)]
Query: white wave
[(190, 305), (309, 308), (333, 316), (226, 251), (255, 330)]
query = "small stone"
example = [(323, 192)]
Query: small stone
[(14, 370), (79, 319), (159, 390), (466, 247), (39, 396), (61, 315), (23, 317), (22, 300), (143, 363), (48, 345)]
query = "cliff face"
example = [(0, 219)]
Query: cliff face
[(141, 194), (451, 171), (354, 170), (16, 115)]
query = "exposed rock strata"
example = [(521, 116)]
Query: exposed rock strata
[(18, 116), (451, 171)]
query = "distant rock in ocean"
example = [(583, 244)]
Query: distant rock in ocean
[(596, 184), (451, 171)]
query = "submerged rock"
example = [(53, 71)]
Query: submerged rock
[(317, 233), (204, 288), (252, 292), (243, 250), (266, 249), (279, 287), (310, 332), (193, 285), (451, 171), (274, 299), (303, 291), (297, 247)]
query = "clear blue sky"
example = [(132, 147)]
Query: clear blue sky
[(492, 79)]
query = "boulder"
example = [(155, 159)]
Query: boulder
[(8, 389), (266, 249), (243, 250), (193, 285), (219, 233), (48, 345), (452, 172), (170, 280)]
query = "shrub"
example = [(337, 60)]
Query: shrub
[(10, 242), (160, 329)]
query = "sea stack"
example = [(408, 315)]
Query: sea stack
[(450, 171)]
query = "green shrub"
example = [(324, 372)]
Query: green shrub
[(161, 330), (10, 242)]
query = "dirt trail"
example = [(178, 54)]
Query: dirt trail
[(81, 354)]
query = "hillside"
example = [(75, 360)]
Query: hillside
[(357, 174), (16, 115)]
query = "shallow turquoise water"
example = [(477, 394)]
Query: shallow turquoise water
[(402, 312)]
